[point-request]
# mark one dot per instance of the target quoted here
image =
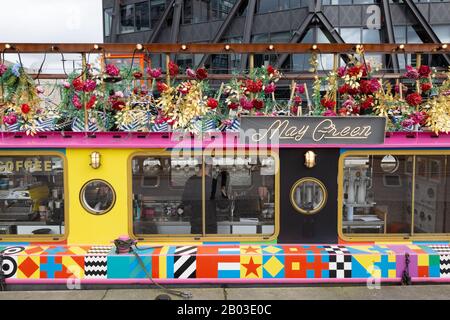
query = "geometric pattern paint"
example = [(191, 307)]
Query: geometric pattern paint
[(252, 262)]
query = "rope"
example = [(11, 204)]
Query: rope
[(406, 278), (129, 245)]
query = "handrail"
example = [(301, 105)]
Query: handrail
[(199, 48)]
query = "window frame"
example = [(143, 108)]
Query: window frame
[(394, 236), (204, 236), (43, 237)]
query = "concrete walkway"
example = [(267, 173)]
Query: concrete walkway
[(415, 292)]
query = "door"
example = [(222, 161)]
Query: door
[(318, 223)]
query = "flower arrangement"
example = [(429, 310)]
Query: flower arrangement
[(130, 99)]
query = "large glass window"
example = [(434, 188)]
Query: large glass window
[(203, 196), (31, 195), (157, 10), (127, 18), (142, 16), (395, 194)]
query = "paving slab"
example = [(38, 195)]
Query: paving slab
[(151, 294), (415, 292)]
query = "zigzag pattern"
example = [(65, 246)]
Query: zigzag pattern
[(95, 267), (444, 266), (99, 250)]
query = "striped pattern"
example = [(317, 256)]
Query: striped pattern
[(445, 266), (95, 267), (229, 265), (185, 262), (45, 125), (78, 124), (160, 127)]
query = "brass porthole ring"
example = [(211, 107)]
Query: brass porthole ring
[(308, 195), (97, 196)]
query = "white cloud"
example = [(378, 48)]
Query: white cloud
[(51, 21)]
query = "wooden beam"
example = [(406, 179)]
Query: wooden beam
[(199, 48)]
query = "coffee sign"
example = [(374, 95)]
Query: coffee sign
[(313, 130)]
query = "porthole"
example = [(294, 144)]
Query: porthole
[(97, 197), (308, 195), (389, 164)]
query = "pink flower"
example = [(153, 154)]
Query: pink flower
[(341, 71), (190, 73), (10, 119), (112, 70), (39, 90), (118, 94), (412, 73), (300, 88), (76, 102), (3, 69), (270, 88), (154, 73), (329, 113), (407, 123), (66, 84), (89, 85), (246, 104)]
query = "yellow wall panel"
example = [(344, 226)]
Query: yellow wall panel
[(86, 228)]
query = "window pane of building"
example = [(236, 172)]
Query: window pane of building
[(127, 19), (377, 194), (167, 195), (443, 33), (351, 35), (157, 9), (142, 16), (241, 195), (107, 17), (32, 195), (432, 195)]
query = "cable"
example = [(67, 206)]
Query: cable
[(127, 246)]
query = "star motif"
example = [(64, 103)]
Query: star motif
[(251, 249), (252, 267)]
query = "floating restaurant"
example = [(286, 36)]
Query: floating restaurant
[(140, 175)]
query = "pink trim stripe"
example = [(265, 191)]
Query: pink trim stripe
[(157, 140), (218, 281)]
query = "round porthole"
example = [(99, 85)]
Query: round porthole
[(308, 195), (389, 164), (97, 197)]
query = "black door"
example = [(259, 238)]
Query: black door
[(320, 227)]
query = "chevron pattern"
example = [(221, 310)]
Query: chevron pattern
[(95, 267), (185, 262), (444, 266)]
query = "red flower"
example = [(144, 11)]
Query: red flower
[(89, 85), (353, 71), (294, 109), (25, 108), (368, 103), (424, 71), (297, 100), (426, 86), (257, 104), (112, 70), (161, 86), (233, 106), (342, 111), (173, 69), (202, 74), (91, 102), (329, 104), (344, 89), (300, 88), (254, 86), (414, 99), (212, 103), (118, 105), (137, 75), (78, 84), (270, 70)]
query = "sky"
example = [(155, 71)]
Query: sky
[(50, 21)]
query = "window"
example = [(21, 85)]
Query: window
[(31, 194), (394, 194), (142, 16), (157, 10), (127, 19), (197, 196), (107, 21), (97, 197)]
